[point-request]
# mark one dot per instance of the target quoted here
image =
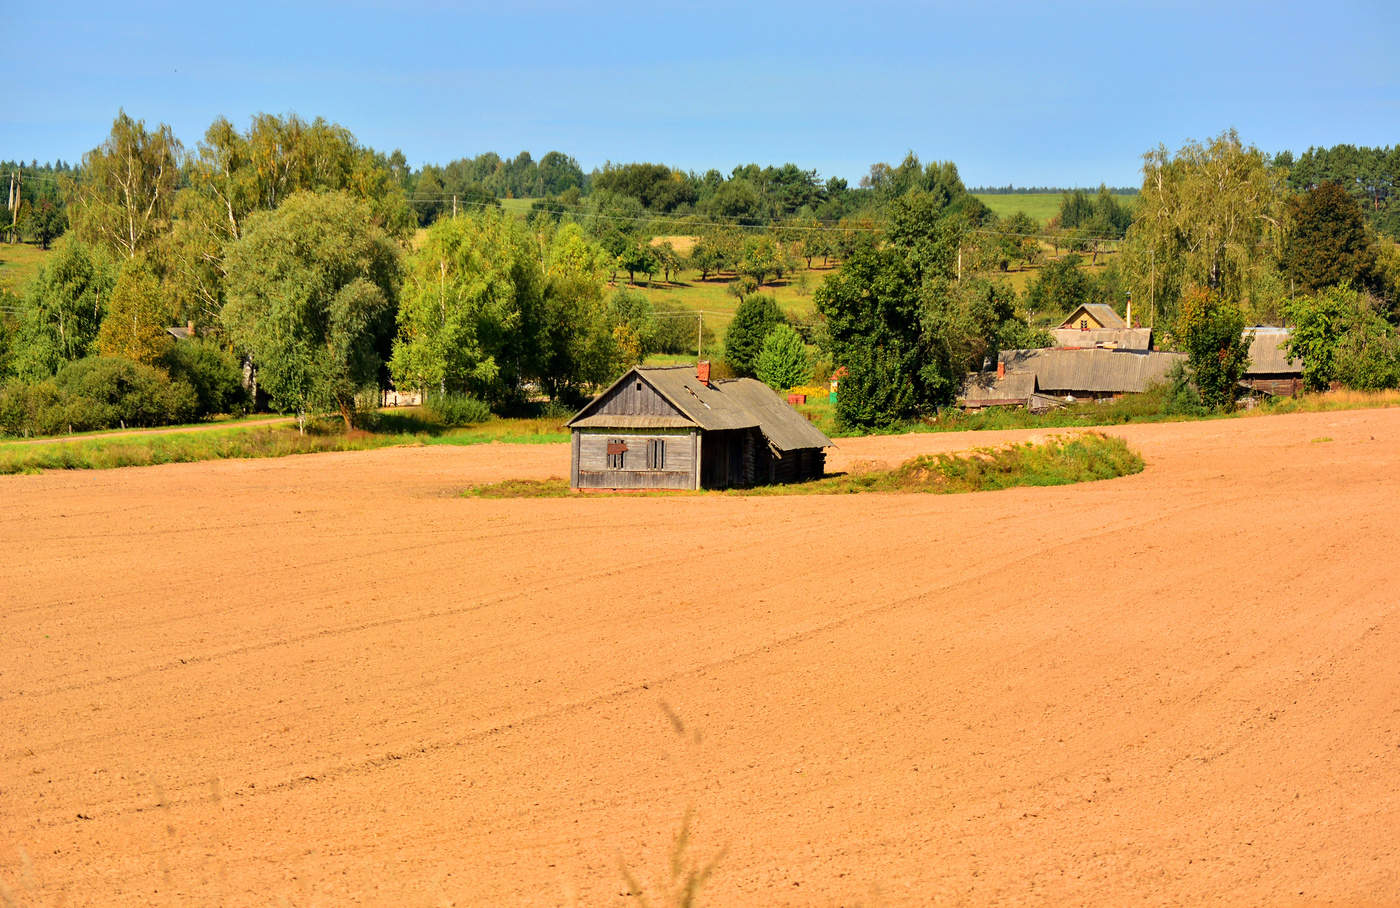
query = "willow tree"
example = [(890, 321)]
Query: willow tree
[(311, 295), (1210, 216)]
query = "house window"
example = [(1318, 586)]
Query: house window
[(656, 454), (617, 452), (1083, 324)]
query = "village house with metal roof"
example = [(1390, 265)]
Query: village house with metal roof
[(673, 427)]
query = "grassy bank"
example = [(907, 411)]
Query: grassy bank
[(382, 430), (1147, 407), (1082, 458)]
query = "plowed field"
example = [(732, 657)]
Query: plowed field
[(328, 679)]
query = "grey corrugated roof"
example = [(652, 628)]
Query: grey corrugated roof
[(1267, 355), (1102, 313), (1059, 370), (1122, 338), (981, 386), (742, 403)]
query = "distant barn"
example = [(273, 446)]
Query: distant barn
[(1270, 370), (673, 428)]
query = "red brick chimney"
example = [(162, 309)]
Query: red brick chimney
[(702, 371), (1001, 369)]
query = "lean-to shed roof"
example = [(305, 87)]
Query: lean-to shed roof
[(985, 386), (1060, 370), (741, 403), (1267, 355)]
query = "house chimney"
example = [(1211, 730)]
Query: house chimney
[(702, 371), (1001, 369), (190, 326)]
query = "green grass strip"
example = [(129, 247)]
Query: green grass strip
[(1086, 457)]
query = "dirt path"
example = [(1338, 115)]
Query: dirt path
[(328, 680)]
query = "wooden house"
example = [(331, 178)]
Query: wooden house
[(1097, 325), (674, 428), (1270, 370)]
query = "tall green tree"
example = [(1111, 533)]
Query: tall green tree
[(756, 316), (1210, 215), (123, 195), (312, 289), (62, 309), (1328, 244), (137, 316), (577, 346), (472, 310)]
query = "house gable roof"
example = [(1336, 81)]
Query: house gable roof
[(742, 403), (1099, 312)]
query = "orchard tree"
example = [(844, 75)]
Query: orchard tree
[(1210, 328), (1061, 287), (312, 288)]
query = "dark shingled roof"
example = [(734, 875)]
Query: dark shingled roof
[(742, 403)]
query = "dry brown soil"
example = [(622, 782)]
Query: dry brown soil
[(327, 679)]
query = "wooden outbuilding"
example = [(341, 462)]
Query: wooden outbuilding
[(673, 428), (1270, 370), (1089, 373)]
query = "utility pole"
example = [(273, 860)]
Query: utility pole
[(454, 206), (15, 184), (699, 336)]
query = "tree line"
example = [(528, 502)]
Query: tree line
[(290, 250)]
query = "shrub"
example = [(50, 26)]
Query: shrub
[(457, 409), (107, 392), (783, 362), (215, 376)]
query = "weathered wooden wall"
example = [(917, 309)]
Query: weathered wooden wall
[(591, 469), (635, 398), (1279, 386)]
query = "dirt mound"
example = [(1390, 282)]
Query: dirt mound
[(329, 679)]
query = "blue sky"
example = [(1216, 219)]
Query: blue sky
[(1032, 94)]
